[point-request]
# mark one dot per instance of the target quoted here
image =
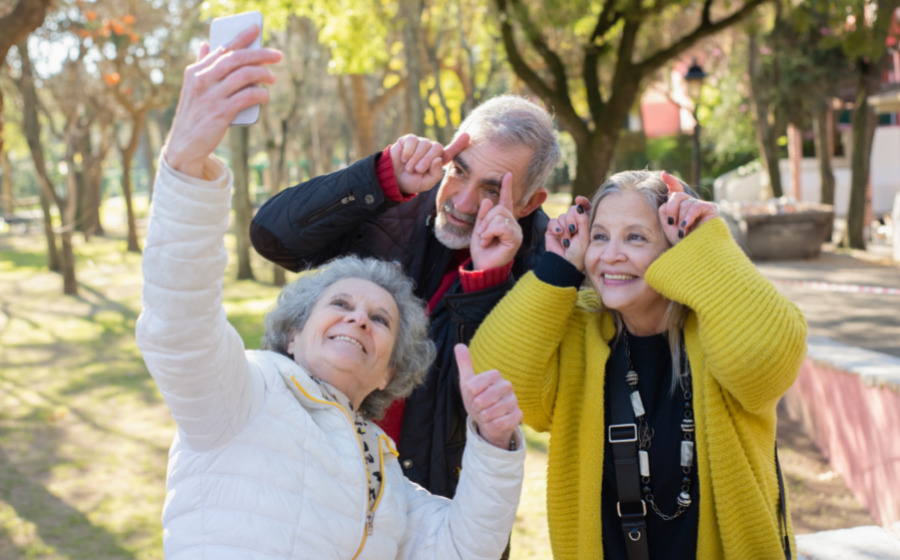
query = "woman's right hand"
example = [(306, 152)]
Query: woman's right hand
[(216, 87), (570, 234), (489, 400)]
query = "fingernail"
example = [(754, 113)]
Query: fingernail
[(558, 230), (579, 209), (684, 223), (571, 228), (671, 220), (681, 234), (565, 243)]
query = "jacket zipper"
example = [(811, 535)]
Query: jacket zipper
[(344, 201), (370, 513)]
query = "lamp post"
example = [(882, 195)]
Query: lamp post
[(694, 78)]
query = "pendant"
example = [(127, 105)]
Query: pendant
[(644, 460), (636, 404), (687, 453)]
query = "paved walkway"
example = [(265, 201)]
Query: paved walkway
[(853, 298)]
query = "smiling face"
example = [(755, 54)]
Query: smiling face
[(349, 337), (473, 175), (626, 237)]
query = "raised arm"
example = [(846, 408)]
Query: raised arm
[(193, 354), (319, 219)]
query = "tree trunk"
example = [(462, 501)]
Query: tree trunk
[(6, 184), (766, 135), (54, 261), (238, 138), (31, 126), (67, 256), (822, 130), (823, 151), (363, 116), (412, 38), (137, 124), (15, 26), (864, 122)]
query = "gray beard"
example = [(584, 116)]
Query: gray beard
[(452, 236)]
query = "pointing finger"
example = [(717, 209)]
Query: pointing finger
[(459, 144), (506, 196), (673, 183)]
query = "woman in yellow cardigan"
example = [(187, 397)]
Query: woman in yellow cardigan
[(658, 383)]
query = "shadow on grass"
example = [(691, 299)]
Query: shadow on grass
[(68, 531)]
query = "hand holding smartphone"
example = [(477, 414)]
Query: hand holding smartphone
[(222, 31)]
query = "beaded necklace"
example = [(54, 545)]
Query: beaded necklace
[(645, 435)]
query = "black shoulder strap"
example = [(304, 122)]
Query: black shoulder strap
[(782, 506), (623, 433)]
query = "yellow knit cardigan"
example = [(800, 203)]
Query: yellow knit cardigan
[(745, 343)]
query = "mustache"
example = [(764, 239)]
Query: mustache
[(450, 209)]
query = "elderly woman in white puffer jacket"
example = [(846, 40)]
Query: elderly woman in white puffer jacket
[(275, 454)]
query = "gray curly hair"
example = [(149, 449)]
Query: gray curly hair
[(413, 352), (511, 120)]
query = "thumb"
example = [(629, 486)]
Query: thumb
[(464, 363)]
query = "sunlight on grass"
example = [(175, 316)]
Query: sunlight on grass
[(85, 433), (530, 538)]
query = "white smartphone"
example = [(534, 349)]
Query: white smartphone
[(221, 31)]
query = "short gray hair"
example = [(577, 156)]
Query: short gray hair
[(413, 351), (512, 120), (649, 185)]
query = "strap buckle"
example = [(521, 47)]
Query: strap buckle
[(623, 433), (619, 510)]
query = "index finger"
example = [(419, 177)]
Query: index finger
[(243, 39), (453, 149), (464, 363), (673, 183), (506, 196)]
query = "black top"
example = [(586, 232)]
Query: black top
[(675, 539)]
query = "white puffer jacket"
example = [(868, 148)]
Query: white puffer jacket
[(262, 465)]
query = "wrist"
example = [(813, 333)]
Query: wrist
[(192, 168)]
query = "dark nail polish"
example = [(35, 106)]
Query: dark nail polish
[(558, 230), (684, 223), (565, 243), (671, 220), (579, 209), (571, 228), (681, 234)]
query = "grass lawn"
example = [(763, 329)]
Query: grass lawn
[(84, 434)]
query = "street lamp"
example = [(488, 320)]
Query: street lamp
[(694, 78)]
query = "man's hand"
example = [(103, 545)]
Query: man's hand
[(683, 213), (215, 89), (497, 235), (489, 399), (570, 234), (418, 162)]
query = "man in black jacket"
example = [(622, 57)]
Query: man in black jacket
[(464, 221)]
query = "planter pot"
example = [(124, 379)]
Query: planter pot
[(793, 234)]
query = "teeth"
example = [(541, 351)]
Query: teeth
[(619, 276), (348, 339)]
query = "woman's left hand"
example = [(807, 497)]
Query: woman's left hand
[(489, 399), (683, 213)]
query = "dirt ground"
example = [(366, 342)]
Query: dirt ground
[(819, 499)]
